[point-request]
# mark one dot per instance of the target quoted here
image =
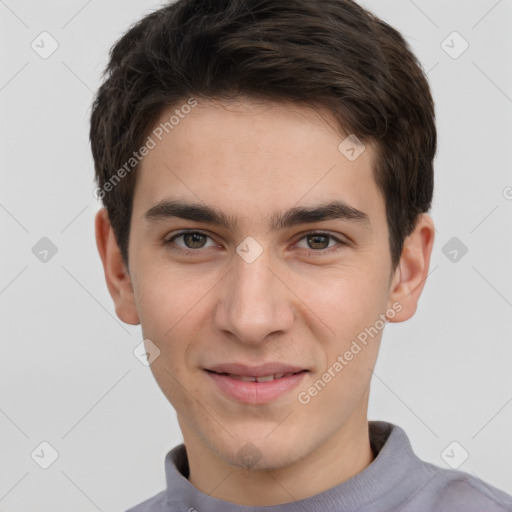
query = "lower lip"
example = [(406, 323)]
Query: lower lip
[(255, 393)]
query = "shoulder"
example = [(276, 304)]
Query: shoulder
[(157, 503), (424, 486), (460, 491)]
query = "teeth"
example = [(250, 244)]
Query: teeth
[(265, 379)]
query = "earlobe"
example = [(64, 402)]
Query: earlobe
[(411, 274), (117, 277)]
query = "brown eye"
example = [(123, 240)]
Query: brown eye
[(318, 241), (194, 240), (191, 240)]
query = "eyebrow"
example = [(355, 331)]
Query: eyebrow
[(167, 209)]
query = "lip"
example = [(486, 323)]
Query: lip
[(255, 393)]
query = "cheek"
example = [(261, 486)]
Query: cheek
[(346, 301), (350, 305), (166, 298), (169, 310)]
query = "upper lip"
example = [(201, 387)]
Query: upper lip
[(260, 370)]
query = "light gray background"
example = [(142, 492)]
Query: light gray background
[(68, 375)]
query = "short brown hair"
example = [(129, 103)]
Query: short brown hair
[(329, 53)]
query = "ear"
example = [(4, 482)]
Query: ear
[(116, 274), (412, 271)]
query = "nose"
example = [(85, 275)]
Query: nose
[(254, 301)]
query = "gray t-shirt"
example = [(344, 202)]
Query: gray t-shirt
[(396, 481)]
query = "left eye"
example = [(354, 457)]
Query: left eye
[(319, 241)]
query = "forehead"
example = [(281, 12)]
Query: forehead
[(247, 157), (272, 130)]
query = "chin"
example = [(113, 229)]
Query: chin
[(260, 453)]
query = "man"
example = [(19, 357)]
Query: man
[(267, 171)]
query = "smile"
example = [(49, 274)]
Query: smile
[(256, 390)]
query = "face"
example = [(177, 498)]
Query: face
[(262, 278)]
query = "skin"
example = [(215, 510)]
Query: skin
[(290, 305)]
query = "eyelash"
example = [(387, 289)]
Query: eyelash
[(309, 252)]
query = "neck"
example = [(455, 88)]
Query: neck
[(339, 458)]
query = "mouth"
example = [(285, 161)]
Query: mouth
[(255, 385), (263, 378)]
